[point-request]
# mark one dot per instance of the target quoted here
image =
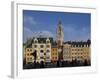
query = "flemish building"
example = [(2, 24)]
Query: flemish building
[(29, 58), (79, 51), (54, 52), (67, 52), (42, 47)]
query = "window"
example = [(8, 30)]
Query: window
[(41, 46), (48, 46), (55, 57), (44, 53), (81, 56), (41, 57), (55, 53), (35, 46), (52, 57), (30, 49), (47, 57), (31, 58), (27, 54), (27, 49), (48, 41), (48, 50), (35, 41), (41, 51), (77, 49)]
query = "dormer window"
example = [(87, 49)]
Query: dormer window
[(35, 40), (47, 41)]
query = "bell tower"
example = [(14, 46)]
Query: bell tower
[(60, 34), (60, 40)]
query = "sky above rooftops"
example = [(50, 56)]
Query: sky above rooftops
[(76, 26)]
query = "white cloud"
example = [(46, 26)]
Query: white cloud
[(29, 20), (42, 34), (29, 34)]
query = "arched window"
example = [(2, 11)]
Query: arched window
[(35, 40), (41, 51), (48, 50), (44, 53), (48, 41), (41, 46)]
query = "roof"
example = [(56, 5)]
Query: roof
[(79, 43), (43, 40)]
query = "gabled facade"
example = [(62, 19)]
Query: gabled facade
[(42, 51)]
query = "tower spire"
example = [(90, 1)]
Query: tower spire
[(59, 23), (60, 34), (60, 40)]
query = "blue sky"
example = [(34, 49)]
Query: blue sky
[(76, 26)]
